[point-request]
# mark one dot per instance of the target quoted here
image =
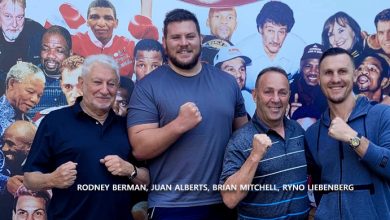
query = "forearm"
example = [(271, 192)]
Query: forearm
[(37, 181), (142, 177), (151, 142), (376, 159), (243, 176)]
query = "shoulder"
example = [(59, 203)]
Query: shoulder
[(379, 113), (61, 114), (122, 40), (33, 25), (296, 127), (81, 36), (242, 138), (312, 132)]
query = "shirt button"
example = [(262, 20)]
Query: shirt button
[(97, 123)]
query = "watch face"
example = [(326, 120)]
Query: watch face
[(355, 142)]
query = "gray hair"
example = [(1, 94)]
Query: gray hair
[(21, 70), (22, 3), (102, 59)]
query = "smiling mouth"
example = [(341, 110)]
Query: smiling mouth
[(51, 64), (363, 79), (312, 77)]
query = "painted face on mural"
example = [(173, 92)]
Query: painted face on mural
[(369, 75), (341, 36), (102, 23), (222, 22), (12, 20), (237, 68), (273, 36), (146, 62), (53, 52), (310, 71), (383, 33)]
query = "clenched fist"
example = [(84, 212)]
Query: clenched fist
[(117, 166), (65, 175), (260, 143), (340, 130), (189, 116)]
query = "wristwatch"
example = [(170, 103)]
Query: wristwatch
[(134, 173), (354, 142)]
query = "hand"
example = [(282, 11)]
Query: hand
[(189, 116), (13, 183), (260, 143), (340, 130), (117, 166), (65, 175), (295, 105)]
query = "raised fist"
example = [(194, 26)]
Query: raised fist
[(189, 116), (65, 175), (261, 143)]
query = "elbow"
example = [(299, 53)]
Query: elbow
[(139, 154), (229, 200)]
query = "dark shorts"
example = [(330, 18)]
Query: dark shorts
[(208, 212)]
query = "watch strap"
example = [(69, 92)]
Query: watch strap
[(134, 173)]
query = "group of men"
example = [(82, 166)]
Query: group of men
[(181, 119)]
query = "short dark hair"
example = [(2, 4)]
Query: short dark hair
[(342, 19), (270, 69), (382, 16), (128, 85), (276, 12), (149, 45), (56, 29), (179, 15), (101, 4), (336, 51)]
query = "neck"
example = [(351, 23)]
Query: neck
[(270, 55), (187, 72), (277, 126), (375, 96), (98, 115), (344, 109), (53, 75)]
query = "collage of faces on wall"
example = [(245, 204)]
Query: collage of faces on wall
[(41, 58)]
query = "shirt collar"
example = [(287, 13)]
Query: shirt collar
[(79, 111), (98, 43)]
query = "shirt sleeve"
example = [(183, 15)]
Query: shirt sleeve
[(377, 157), (240, 104), (233, 160), (40, 156), (142, 107)]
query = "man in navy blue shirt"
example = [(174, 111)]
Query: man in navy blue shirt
[(82, 152)]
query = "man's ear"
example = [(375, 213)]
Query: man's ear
[(260, 30), (116, 23), (164, 44), (11, 83), (254, 95), (80, 82), (355, 76)]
